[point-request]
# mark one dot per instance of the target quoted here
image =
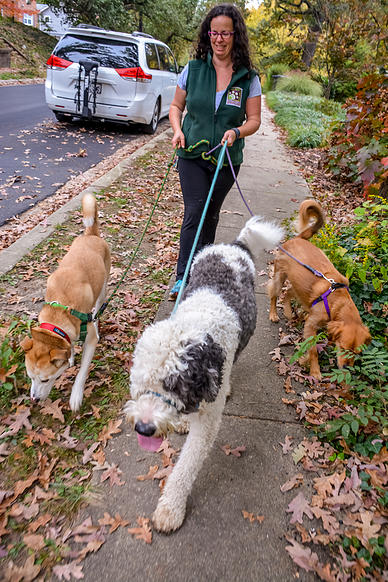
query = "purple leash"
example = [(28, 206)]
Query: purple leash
[(234, 176)]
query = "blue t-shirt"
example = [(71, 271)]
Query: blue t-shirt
[(254, 89)]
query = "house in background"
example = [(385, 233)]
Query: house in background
[(54, 23), (24, 11)]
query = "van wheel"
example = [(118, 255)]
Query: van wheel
[(62, 116), (151, 127)]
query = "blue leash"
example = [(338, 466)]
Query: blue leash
[(219, 164)]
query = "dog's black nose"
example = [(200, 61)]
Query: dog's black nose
[(145, 428)]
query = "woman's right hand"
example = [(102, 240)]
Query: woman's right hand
[(178, 139)]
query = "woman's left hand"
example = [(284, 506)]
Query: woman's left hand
[(230, 137)]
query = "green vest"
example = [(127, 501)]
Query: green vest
[(203, 127)]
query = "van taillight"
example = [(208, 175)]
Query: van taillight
[(136, 73), (57, 63)]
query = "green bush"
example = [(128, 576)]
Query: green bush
[(306, 119), (275, 69), (299, 83)]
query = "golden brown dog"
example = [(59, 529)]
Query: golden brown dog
[(79, 284), (341, 317)]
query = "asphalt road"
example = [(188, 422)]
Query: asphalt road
[(38, 155)]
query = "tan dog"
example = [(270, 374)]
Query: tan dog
[(80, 284), (341, 316)]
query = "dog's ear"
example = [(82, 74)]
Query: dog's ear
[(51, 339), (199, 374), (59, 357), (335, 329), (26, 344)]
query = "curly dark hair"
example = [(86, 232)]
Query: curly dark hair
[(240, 50)]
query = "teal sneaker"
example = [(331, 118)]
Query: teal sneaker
[(175, 290)]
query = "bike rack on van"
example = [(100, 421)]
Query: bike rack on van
[(89, 88)]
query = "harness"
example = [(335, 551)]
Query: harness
[(333, 284), (85, 318)]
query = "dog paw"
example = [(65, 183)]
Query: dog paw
[(167, 519), (274, 317), (75, 401)]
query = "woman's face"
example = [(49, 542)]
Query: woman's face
[(221, 45)]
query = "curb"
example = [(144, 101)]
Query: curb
[(15, 252)]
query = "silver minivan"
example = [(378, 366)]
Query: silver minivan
[(101, 74)]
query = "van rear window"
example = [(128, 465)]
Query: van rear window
[(107, 52)]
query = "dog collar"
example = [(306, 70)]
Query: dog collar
[(85, 318), (166, 400), (172, 403), (56, 330)]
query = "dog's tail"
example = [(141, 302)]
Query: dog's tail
[(90, 215), (311, 218), (258, 234)]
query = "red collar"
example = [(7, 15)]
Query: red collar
[(56, 330)]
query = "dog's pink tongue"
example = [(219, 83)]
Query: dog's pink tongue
[(149, 443)]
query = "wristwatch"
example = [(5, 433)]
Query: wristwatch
[(236, 131)]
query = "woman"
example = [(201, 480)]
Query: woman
[(222, 95)]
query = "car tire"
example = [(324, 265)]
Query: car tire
[(62, 116), (150, 128)]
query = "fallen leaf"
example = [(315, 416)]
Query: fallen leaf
[(143, 532), (27, 572), (291, 483), (298, 507), (88, 453), (302, 556), (108, 431), (287, 445), (4, 452), (114, 522), (251, 517), (34, 541), (235, 452), (20, 421), (150, 475), (53, 409), (113, 474), (298, 453), (68, 571), (40, 521)]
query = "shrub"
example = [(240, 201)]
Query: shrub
[(271, 72), (359, 145), (299, 83), (367, 421), (303, 117)]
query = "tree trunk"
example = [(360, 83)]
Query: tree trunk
[(310, 47)]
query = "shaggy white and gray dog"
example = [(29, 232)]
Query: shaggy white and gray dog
[(182, 365)]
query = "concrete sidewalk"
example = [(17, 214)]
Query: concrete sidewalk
[(215, 542)]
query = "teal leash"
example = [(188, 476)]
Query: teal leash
[(186, 274)]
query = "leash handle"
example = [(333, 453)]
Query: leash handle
[(186, 274)]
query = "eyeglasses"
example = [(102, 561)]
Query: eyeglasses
[(225, 34)]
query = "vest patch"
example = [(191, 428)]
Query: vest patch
[(234, 96)]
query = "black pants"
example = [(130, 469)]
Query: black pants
[(196, 176)]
